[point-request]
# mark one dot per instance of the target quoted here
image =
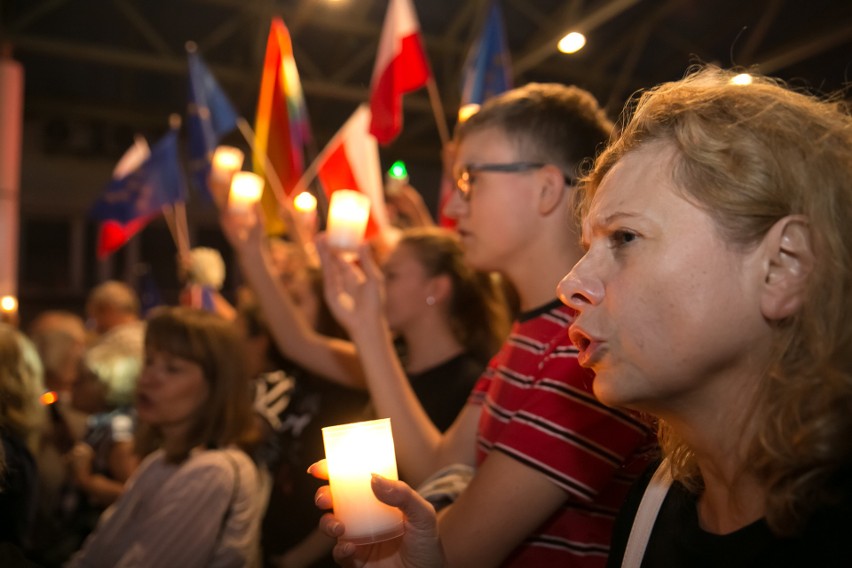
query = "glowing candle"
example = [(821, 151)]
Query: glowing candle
[(305, 205), (354, 452), (347, 219), (8, 304), (227, 160), (246, 189), (48, 398)]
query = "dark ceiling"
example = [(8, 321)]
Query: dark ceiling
[(98, 71)]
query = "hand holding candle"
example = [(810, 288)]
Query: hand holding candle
[(353, 453), (348, 214)]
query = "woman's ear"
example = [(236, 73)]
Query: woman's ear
[(552, 191), (441, 287), (789, 262)]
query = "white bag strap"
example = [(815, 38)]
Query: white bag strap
[(646, 516)]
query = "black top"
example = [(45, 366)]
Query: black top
[(17, 492), (291, 513), (444, 390), (678, 540)]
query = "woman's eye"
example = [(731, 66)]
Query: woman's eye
[(622, 237)]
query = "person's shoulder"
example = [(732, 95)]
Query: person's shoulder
[(220, 465)]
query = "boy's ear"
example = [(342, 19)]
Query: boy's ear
[(789, 263), (552, 191)]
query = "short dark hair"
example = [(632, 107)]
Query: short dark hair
[(553, 123)]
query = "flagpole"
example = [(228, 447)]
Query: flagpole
[(438, 110), (169, 216), (286, 205), (179, 209)]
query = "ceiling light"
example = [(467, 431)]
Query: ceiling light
[(741, 79), (572, 43)]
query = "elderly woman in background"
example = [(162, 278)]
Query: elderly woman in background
[(21, 419), (714, 294), (194, 501)]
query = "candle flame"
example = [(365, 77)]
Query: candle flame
[(8, 304), (48, 398), (305, 202)]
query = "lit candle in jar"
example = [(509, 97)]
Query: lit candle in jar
[(246, 189), (353, 453), (227, 160), (348, 213), (305, 205)]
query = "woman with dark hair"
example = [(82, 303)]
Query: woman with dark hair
[(447, 319), (194, 500)]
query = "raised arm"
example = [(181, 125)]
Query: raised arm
[(332, 358), (355, 293)]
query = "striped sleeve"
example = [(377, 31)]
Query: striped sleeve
[(183, 527)]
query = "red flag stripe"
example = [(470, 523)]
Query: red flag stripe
[(401, 67)]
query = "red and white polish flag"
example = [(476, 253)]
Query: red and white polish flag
[(351, 161), (401, 67)]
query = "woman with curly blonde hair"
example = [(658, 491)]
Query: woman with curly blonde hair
[(714, 294)]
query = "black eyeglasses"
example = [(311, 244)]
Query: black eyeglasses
[(464, 178)]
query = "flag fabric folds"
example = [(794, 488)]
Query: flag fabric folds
[(401, 67), (351, 161), (488, 68), (210, 116), (134, 197), (281, 124)]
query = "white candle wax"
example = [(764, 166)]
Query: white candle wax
[(227, 160), (305, 205), (348, 213), (246, 189), (353, 452)]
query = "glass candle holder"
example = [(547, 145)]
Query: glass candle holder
[(305, 206), (227, 160), (246, 189), (353, 453), (348, 213)]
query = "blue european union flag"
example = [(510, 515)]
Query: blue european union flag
[(487, 69), (210, 116), (158, 181)]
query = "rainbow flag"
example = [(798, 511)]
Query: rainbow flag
[(281, 123)]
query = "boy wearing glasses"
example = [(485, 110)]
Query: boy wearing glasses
[(552, 464)]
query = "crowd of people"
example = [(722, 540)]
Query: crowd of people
[(630, 351)]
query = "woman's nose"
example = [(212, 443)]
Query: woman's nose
[(579, 288)]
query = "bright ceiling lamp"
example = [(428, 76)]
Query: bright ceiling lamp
[(572, 43)]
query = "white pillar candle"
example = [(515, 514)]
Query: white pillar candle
[(305, 206), (353, 452), (9, 310), (348, 213), (246, 189), (227, 160)]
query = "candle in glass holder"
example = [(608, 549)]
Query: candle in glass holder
[(353, 452), (227, 160), (348, 213), (246, 189), (305, 205)]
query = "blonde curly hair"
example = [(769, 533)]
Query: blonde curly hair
[(750, 155)]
